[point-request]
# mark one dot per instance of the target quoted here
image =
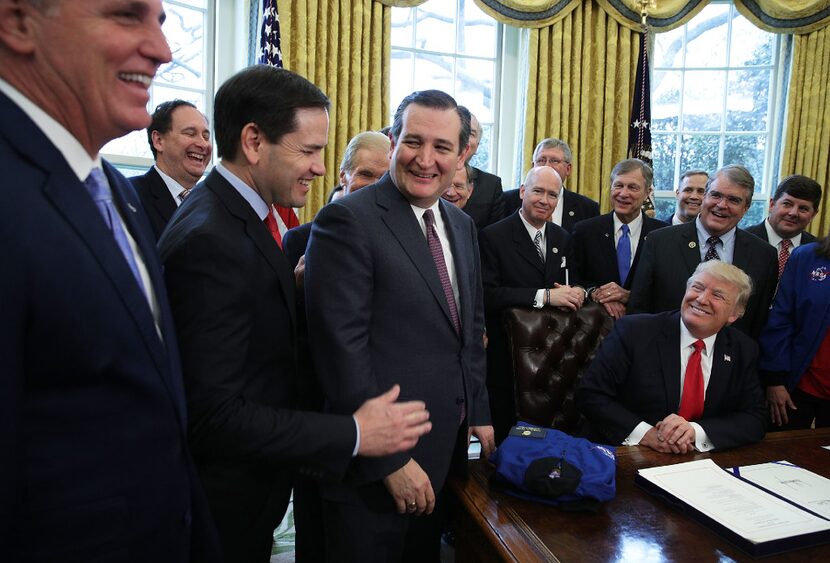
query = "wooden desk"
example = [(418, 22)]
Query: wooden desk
[(635, 526)]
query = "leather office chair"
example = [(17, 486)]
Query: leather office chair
[(550, 350)]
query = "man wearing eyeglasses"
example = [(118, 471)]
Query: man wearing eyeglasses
[(573, 207), (670, 255)]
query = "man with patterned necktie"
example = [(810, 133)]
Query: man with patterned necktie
[(670, 255), (682, 381)]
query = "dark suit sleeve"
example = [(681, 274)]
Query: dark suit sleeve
[(765, 286), (642, 290), (497, 296), (602, 384), (497, 208), (580, 258), (339, 306), (214, 304), (479, 412)]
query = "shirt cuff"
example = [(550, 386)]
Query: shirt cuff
[(539, 300), (357, 437), (702, 441), (637, 434)]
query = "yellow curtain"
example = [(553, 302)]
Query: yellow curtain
[(342, 46), (580, 88), (807, 138)]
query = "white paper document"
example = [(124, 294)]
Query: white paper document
[(793, 483), (742, 508)]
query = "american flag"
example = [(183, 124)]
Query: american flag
[(271, 54), (639, 130)]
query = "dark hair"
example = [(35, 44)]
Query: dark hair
[(266, 96), (162, 119), (694, 172), (435, 99), (800, 187)]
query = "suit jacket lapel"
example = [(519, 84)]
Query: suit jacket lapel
[(554, 253), (259, 235), (406, 229), (668, 349), (525, 247), (608, 248), (162, 200), (721, 372), (689, 247), (741, 255)]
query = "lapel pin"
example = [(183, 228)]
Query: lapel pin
[(554, 250), (727, 358), (607, 235), (692, 244), (132, 207), (571, 213)]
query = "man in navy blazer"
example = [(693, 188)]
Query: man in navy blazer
[(232, 295), (573, 207), (599, 264), (648, 386), (393, 295), (179, 138), (95, 463), (672, 254), (518, 273)]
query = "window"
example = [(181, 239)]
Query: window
[(187, 76), (454, 47), (714, 97)]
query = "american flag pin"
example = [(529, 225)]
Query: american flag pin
[(554, 250), (727, 358), (132, 207)]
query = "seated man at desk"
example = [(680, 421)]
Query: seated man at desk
[(682, 380)]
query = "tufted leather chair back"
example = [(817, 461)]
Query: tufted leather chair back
[(551, 349)]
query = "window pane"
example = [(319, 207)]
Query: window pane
[(748, 150), (699, 151), (747, 104), (751, 46), (474, 85), (435, 29), (755, 214), (665, 100), (703, 99), (184, 29), (132, 144), (402, 21), (434, 71), (478, 31), (664, 147), (482, 156), (668, 49), (194, 3), (706, 38), (401, 83)]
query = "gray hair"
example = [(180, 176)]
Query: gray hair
[(736, 174), (553, 143), (371, 140), (630, 165)]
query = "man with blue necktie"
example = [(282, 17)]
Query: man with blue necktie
[(95, 463)]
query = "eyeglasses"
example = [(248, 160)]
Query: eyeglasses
[(731, 200), (546, 161)]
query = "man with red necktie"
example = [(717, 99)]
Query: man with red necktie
[(682, 380)]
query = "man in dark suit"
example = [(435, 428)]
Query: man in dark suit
[(524, 261), (791, 208), (607, 248), (485, 203), (406, 308), (179, 138), (689, 195), (232, 294), (573, 207), (680, 381), (95, 464), (671, 255)]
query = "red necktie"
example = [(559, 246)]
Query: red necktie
[(691, 404), (783, 255), (271, 223)]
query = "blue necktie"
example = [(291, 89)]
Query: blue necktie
[(624, 255), (97, 186)]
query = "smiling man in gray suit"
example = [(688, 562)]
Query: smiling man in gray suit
[(407, 308)]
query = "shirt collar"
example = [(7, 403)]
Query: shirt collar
[(775, 240), (173, 186), (531, 230), (686, 339), (73, 152), (634, 227), (703, 235), (247, 192)]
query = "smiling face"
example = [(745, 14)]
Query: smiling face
[(426, 155), (789, 216), (709, 304), (282, 172), (690, 196), (724, 205), (540, 194), (369, 166), (628, 193), (184, 151), (460, 190), (555, 158), (94, 61)]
